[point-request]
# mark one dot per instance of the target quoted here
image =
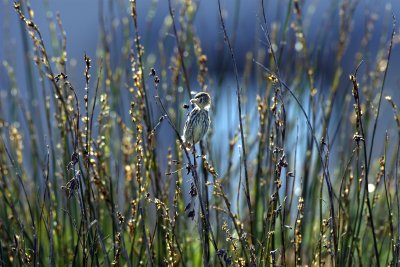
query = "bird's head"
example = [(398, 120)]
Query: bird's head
[(202, 100)]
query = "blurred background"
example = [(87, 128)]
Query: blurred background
[(323, 23), (317, 44), (338, 35)]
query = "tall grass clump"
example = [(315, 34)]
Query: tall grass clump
[(300, 166)]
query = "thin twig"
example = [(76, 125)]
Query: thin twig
[(246, 174), (356, 93), (381, 92), (180, 50)]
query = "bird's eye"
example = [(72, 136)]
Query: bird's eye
[(200, 100)]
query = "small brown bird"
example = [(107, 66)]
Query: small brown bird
[(198, 121)]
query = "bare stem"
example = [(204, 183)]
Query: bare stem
[(246, 174)]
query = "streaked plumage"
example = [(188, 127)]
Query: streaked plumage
[(198, 121)]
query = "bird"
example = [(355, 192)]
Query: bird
[(198, 120)]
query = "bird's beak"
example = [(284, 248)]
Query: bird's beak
[(194, 101)]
